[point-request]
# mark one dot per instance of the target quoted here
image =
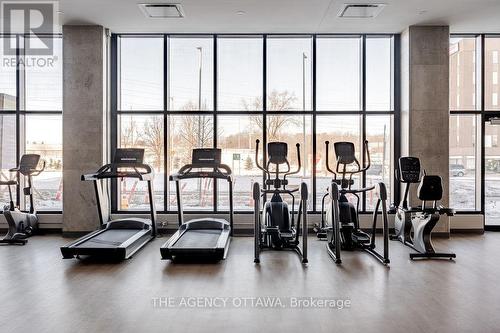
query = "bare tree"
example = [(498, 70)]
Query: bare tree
[(276, 101), (153, 139), (129, 134)]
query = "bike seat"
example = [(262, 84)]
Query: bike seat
[(8, 182)]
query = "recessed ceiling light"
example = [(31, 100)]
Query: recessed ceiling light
[(240, 12), (361, 10), (162, 10)]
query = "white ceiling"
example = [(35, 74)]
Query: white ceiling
[(284, 16)]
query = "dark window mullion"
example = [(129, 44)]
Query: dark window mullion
[(314, 141), (215, 124), (166, 130), (363, 116)]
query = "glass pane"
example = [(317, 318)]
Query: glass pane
[(239, 74), (338, 74), (141, 73), (463, 87), (379, 136), (289, 74), (142, 132), (334, 129), (379, 74), (7, 77), (44, 79), (492, 174), (7, 155), (44, 137), (191, 74), (463, 162), (492, 67), (293, 130), (236, 138), (185, 134)]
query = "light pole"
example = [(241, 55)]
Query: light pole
[(304, 58)]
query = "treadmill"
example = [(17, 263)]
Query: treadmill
[(203, 238), (117, 239)]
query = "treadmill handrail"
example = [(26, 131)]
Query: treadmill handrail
[(110, 171), (222, 171)]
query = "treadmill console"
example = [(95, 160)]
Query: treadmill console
[(409, 169), (130, 156), (206, 158)]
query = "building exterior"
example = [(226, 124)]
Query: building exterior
[(465, 95)]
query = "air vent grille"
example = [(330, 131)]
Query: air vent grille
[(361, 10), (162, 10)]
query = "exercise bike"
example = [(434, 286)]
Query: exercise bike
[(22, 224), (413, 225), (275, 226), (340, 222)]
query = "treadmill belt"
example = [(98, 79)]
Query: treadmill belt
[(110, 238), (198, 239)]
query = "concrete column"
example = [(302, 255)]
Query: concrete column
[(84, 105), (424, 102)]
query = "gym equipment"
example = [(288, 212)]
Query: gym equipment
[(22, 224), (341, 229), (413, 225), (117, 239), (275, 227), (207, 237)]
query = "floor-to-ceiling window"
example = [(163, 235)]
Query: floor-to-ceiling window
[(179, 92), (31, 115), (474, 131)]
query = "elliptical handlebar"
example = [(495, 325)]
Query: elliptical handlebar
[(299, 166), (257, 142), (327, 143), (367, 151)]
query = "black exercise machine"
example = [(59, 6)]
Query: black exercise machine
[(22, 224), (342, 229), (275, 227), (203, 238), (413, 225), (121, 238)]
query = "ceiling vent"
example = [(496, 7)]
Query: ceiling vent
[(361, 10), (162, 10)]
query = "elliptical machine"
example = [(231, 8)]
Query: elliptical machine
[(22, 224), (275, 226), (342, 229), (413, 225)]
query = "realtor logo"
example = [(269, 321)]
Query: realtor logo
[(33, 18)]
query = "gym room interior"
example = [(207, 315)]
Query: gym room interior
[(251, 166)]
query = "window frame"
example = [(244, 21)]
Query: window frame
[(315, 209), (484, 115), (20, 111)]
